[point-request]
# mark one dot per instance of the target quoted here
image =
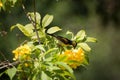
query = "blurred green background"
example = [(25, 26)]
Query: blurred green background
[(100, 19)]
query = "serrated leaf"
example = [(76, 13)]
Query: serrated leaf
[(38, 16), (80, 35), (53, 29), (84, 46), (91, 39), (47, 20), (11, 72)]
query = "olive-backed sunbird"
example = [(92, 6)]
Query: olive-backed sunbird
[(64, 40)]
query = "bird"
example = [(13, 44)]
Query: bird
[(64, 40)]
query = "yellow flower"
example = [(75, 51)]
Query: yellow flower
[(1, 4), (74, 57), (22, 52)]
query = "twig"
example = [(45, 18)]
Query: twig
[(32, 21), (3, 55), (35, 21), (8, 64)]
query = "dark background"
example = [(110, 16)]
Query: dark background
[(100, 19)]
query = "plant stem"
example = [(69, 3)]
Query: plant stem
[(34, 24), (32, 21)]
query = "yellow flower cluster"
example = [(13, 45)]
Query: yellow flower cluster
[(1, 4), (74, 57), (22, 52)]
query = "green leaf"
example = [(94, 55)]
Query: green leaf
[(26, 30), (47, 20), (40, 47), (4, 1), (71, 34), (12, 27), (23, 29), (86, 61), (38, 16), (36, 64), (51, 50), (91, 39), (44, 76), (29, 28), (80, 35), (65, 66), (68, 68), (11, 72), (14, 1), (62, 58), (2, 73), (68, 74), (53, 29), (84, 46), (51, 68)]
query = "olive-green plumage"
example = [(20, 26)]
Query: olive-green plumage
[(64, 40)]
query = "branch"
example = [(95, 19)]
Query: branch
[(7, 64), (32, 21), (3, 55), (35, 21)]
